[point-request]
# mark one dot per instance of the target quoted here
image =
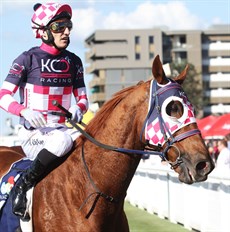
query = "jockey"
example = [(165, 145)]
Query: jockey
[(43, 74)]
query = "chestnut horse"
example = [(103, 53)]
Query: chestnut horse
[(86, 192)]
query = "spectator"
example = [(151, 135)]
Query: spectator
[(227, 137), (211, 152), (223, 160), (215, 150)]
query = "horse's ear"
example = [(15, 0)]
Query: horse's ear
[(158, 71), (180, 79)]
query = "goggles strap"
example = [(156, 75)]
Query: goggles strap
[(39, 26)]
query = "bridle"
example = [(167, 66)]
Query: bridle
[(168, 137), (170, 142)]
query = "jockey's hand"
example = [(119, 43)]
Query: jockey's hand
[(35, 118), (76, 113)]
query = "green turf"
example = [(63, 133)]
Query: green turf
[(142, 221)]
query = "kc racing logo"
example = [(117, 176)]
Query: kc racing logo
[(58, 66), (56, 71)]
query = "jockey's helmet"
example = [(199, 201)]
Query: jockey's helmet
[(45, 14)]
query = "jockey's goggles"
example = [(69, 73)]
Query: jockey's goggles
[(60, 26)]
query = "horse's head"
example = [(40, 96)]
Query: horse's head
[(172, 126)]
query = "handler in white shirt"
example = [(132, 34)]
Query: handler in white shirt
[(223, 160)]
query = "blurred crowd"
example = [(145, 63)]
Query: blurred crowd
[(219, 150)]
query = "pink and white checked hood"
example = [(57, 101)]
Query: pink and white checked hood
[(172, 91)]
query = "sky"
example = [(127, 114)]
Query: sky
[(89, 15)]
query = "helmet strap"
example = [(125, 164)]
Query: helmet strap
[(50, 39)]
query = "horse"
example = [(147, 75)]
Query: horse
[(87, 191)]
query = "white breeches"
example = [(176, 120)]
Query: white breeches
[(56, 138)]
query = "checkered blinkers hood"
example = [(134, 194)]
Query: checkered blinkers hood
[(165, 94)]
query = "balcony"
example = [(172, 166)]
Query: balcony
[(96, 82), (97, 97), (218, 96)]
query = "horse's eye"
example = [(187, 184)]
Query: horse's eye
[(174, 109), (169, 108)]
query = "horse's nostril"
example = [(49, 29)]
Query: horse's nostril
[(201, 166)]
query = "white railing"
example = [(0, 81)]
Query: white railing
[(9, 141), (202, 206)]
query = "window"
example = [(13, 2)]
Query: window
[(137, 48), (151, 47), (151, 55), (137, 56), (151, 39), (137, 39), (183, 39)]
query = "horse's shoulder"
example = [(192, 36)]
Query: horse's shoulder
[(13, 149), (18, 149), (8, 155)]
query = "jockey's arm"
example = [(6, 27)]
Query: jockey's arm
[(7, 101)]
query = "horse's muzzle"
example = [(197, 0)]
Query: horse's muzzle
[(198, 172)]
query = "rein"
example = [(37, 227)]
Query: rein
[(164, 130), (139, 152), (68, 115), (98, 192)]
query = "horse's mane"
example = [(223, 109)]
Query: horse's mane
[(95, 124)]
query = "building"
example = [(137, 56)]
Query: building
[(120, 58), (216, 68)]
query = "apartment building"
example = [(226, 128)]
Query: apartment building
[(120, 58)]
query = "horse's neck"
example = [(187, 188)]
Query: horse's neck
[(115, 169), (111, 171)]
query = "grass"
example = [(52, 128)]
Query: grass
[(142, 221)]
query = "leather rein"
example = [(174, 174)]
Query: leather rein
[(148, 150)]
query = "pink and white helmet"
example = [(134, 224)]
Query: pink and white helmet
[(45, 13)]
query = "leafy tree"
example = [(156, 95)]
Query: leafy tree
[(192, 84)]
